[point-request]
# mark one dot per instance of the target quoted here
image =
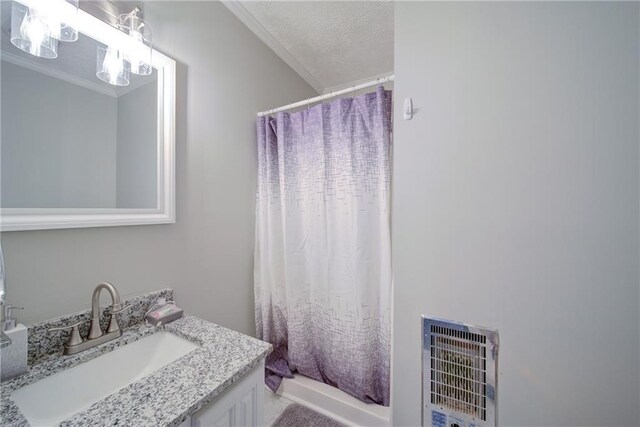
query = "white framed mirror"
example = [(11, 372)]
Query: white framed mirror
[(77, 151)]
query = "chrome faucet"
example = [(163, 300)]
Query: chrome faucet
[(95, 331), (96, 336)]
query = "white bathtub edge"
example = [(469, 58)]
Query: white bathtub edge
[(333, 403)]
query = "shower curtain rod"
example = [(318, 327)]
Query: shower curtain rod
[(319, 98)]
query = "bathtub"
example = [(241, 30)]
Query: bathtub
[(333, 403)]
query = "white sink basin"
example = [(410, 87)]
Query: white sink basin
[(59, 396)]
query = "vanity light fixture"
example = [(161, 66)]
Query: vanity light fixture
[(138, 58), (37, 27), (115, 65)]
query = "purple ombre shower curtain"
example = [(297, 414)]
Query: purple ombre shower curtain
[(323, 247)]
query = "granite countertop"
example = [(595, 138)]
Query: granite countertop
[(164, 398)]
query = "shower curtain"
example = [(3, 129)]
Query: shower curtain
[(323, 248)]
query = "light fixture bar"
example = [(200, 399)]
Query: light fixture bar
[(91, 26)]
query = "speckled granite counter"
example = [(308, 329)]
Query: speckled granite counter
[(164, 398)]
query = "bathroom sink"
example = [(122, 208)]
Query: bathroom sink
[(59, 396)]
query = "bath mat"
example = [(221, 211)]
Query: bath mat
[(300, 416)]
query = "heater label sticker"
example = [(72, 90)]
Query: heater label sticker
[(438, 419)]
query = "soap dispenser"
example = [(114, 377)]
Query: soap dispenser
[(13, 357), (9, 320)]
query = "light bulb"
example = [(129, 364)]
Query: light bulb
[(111, 67), (134, 59), (34, 29), (137, 35), (112, 64)]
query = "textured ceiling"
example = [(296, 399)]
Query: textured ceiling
[(336, 43)]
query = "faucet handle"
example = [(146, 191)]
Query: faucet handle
[(121, 309), (74, 338), (113, 322)]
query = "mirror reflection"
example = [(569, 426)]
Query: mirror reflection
[(71, 140)]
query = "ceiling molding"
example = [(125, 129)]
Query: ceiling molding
[(357, 82), (58, 74), (263, 34), (115, 91), (134, 84)]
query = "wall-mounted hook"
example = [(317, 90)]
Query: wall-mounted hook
[(408, 109)]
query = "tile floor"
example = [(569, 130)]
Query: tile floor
[(274, 405)]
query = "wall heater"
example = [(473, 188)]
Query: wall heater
[(459, 374)]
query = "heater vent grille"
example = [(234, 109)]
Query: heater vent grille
[(459, 374), (459, 371)]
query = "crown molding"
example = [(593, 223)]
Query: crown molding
[(236, 7), (114, 92), (357, 82), (55, 73), (133, 85)]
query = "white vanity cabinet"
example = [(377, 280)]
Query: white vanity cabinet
[(241, 405)]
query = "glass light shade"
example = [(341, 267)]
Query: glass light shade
[(30, 32), (111, 66), (138, 56)]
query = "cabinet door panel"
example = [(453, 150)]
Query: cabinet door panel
[(238, 406), (226, 420), (222, 414), (246, 409)]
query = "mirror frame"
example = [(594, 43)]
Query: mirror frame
[(15, 219)]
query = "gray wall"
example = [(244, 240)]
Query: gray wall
[(137, 155), (225, 76), (516, 201), (52, 132)]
